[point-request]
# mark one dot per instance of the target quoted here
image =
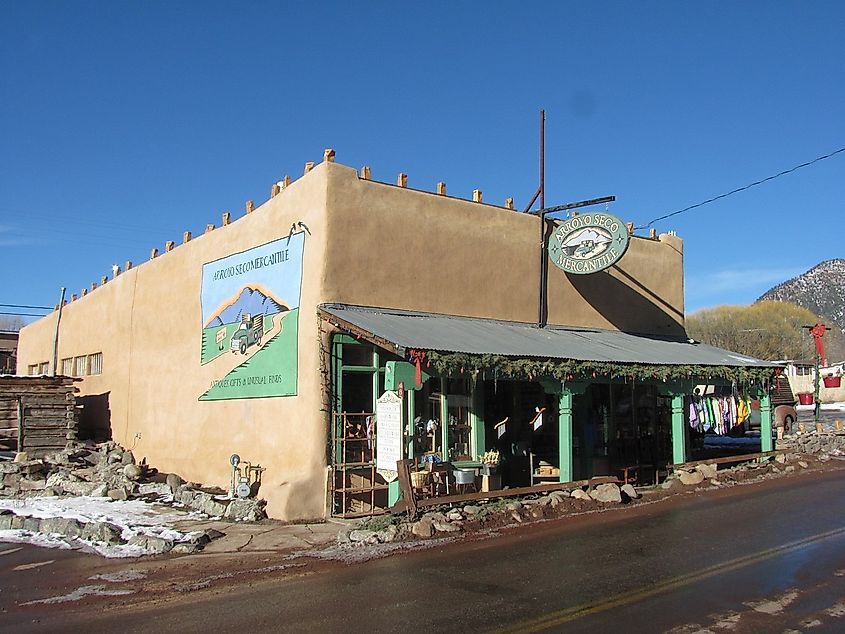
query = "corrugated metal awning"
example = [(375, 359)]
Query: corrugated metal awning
[(404, 330)]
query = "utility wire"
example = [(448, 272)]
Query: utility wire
[(739, 189), (25, 306)]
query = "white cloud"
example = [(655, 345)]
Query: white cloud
[(733, 286)]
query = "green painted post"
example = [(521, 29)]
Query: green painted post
[(679, 449), (412, 414), (765, 423), (565, 434), (393, 492)]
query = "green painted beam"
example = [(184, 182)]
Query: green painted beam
[(565, 434), (679, 430), (765, 423)]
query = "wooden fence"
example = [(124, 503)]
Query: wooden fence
[(37, 413)]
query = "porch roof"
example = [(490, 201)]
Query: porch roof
[(402, 330)]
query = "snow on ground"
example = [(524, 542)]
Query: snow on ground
[(133, 517)]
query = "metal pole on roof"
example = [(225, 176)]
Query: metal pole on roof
[(56, 337), (541, 305)]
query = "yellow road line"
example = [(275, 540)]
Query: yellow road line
[(559, 617)]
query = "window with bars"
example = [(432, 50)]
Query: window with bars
[(32, 369), (67, 366), (43, 367), (95, 363), (80, 366)]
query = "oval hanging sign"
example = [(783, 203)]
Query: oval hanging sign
[(588, 243)]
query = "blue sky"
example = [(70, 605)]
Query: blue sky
[(123, 124)]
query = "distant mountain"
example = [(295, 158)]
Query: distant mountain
[(250, 301), (821, 290)]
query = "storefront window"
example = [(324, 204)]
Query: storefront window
[(460, 424)]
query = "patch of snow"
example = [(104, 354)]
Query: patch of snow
[(80, 593), (120, 576), (133, 517)]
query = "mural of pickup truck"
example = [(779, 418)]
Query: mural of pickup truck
[(248, 333)]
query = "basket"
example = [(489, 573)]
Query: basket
[(419, 479), (832, 381), (805, 398)]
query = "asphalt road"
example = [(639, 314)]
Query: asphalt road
[(762, 558)]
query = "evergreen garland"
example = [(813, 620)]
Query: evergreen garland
[(456, 363)]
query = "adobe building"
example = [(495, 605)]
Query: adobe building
[(346, 323)]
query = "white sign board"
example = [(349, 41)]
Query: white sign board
[(388, 431)]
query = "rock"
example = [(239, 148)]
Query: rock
[(132, 471), (127, 458), (31, 524), (11, 478), (434, 516), (630, 491), (516, 516), (31, 467), (388, 535), (802, 464), (343, 536), (472, 510), (714, 482), (9, 467), (186, 496), (116, 457), (154, 488), (560, 494), (545, 500), (205, 503), (17, 522), (6, 522), (248, 510), (100, 491), (32, 485), (537, 512), (49, 492), (363, 536), (424, 528), (213, 534), (580, 494), (174, 482), (21, 456), (515, 505), (688, 478), (555, 501), (445, 527), (120, 493), (707, 470), (153, 545), (454, 515), (186, 548), (101, 532), (781, 458), (608, 493), (673, 484), (789, 469)]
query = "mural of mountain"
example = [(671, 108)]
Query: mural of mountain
[(250, 300), (821, 290)]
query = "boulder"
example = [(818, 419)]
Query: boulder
[(363, 536), (100, 491), (630, 491), (708, 471), (424, 528), (153, 545), (690, 478), (127, 458), (608, 493), (154, 488), (388, 535), (471, 510), (9, 467), (6, 521), (516, 516), (132, 471), (206, 503), (454, 515), (580, 494), (186, 548), (516, 505), (119, 493), (174, 482), (445, 527), (248, 510), (672, 484), (101, 532)]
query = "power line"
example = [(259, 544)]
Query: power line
[(740, 189), (23, 314), (25, 306)]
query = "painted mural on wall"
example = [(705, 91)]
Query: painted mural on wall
[(250, 320)]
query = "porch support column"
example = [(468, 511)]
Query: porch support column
[(676, 391), (565, 434), (679, 442), (765, 422)]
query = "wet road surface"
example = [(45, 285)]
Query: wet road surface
[(763, 558)]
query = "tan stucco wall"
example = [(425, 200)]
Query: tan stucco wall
[(398, 248), (147, 323), (370, 244)]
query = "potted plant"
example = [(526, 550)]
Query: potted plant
[(489, 462), (832, 380)]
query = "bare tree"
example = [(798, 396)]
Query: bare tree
[(11, 322), (767, 330)]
